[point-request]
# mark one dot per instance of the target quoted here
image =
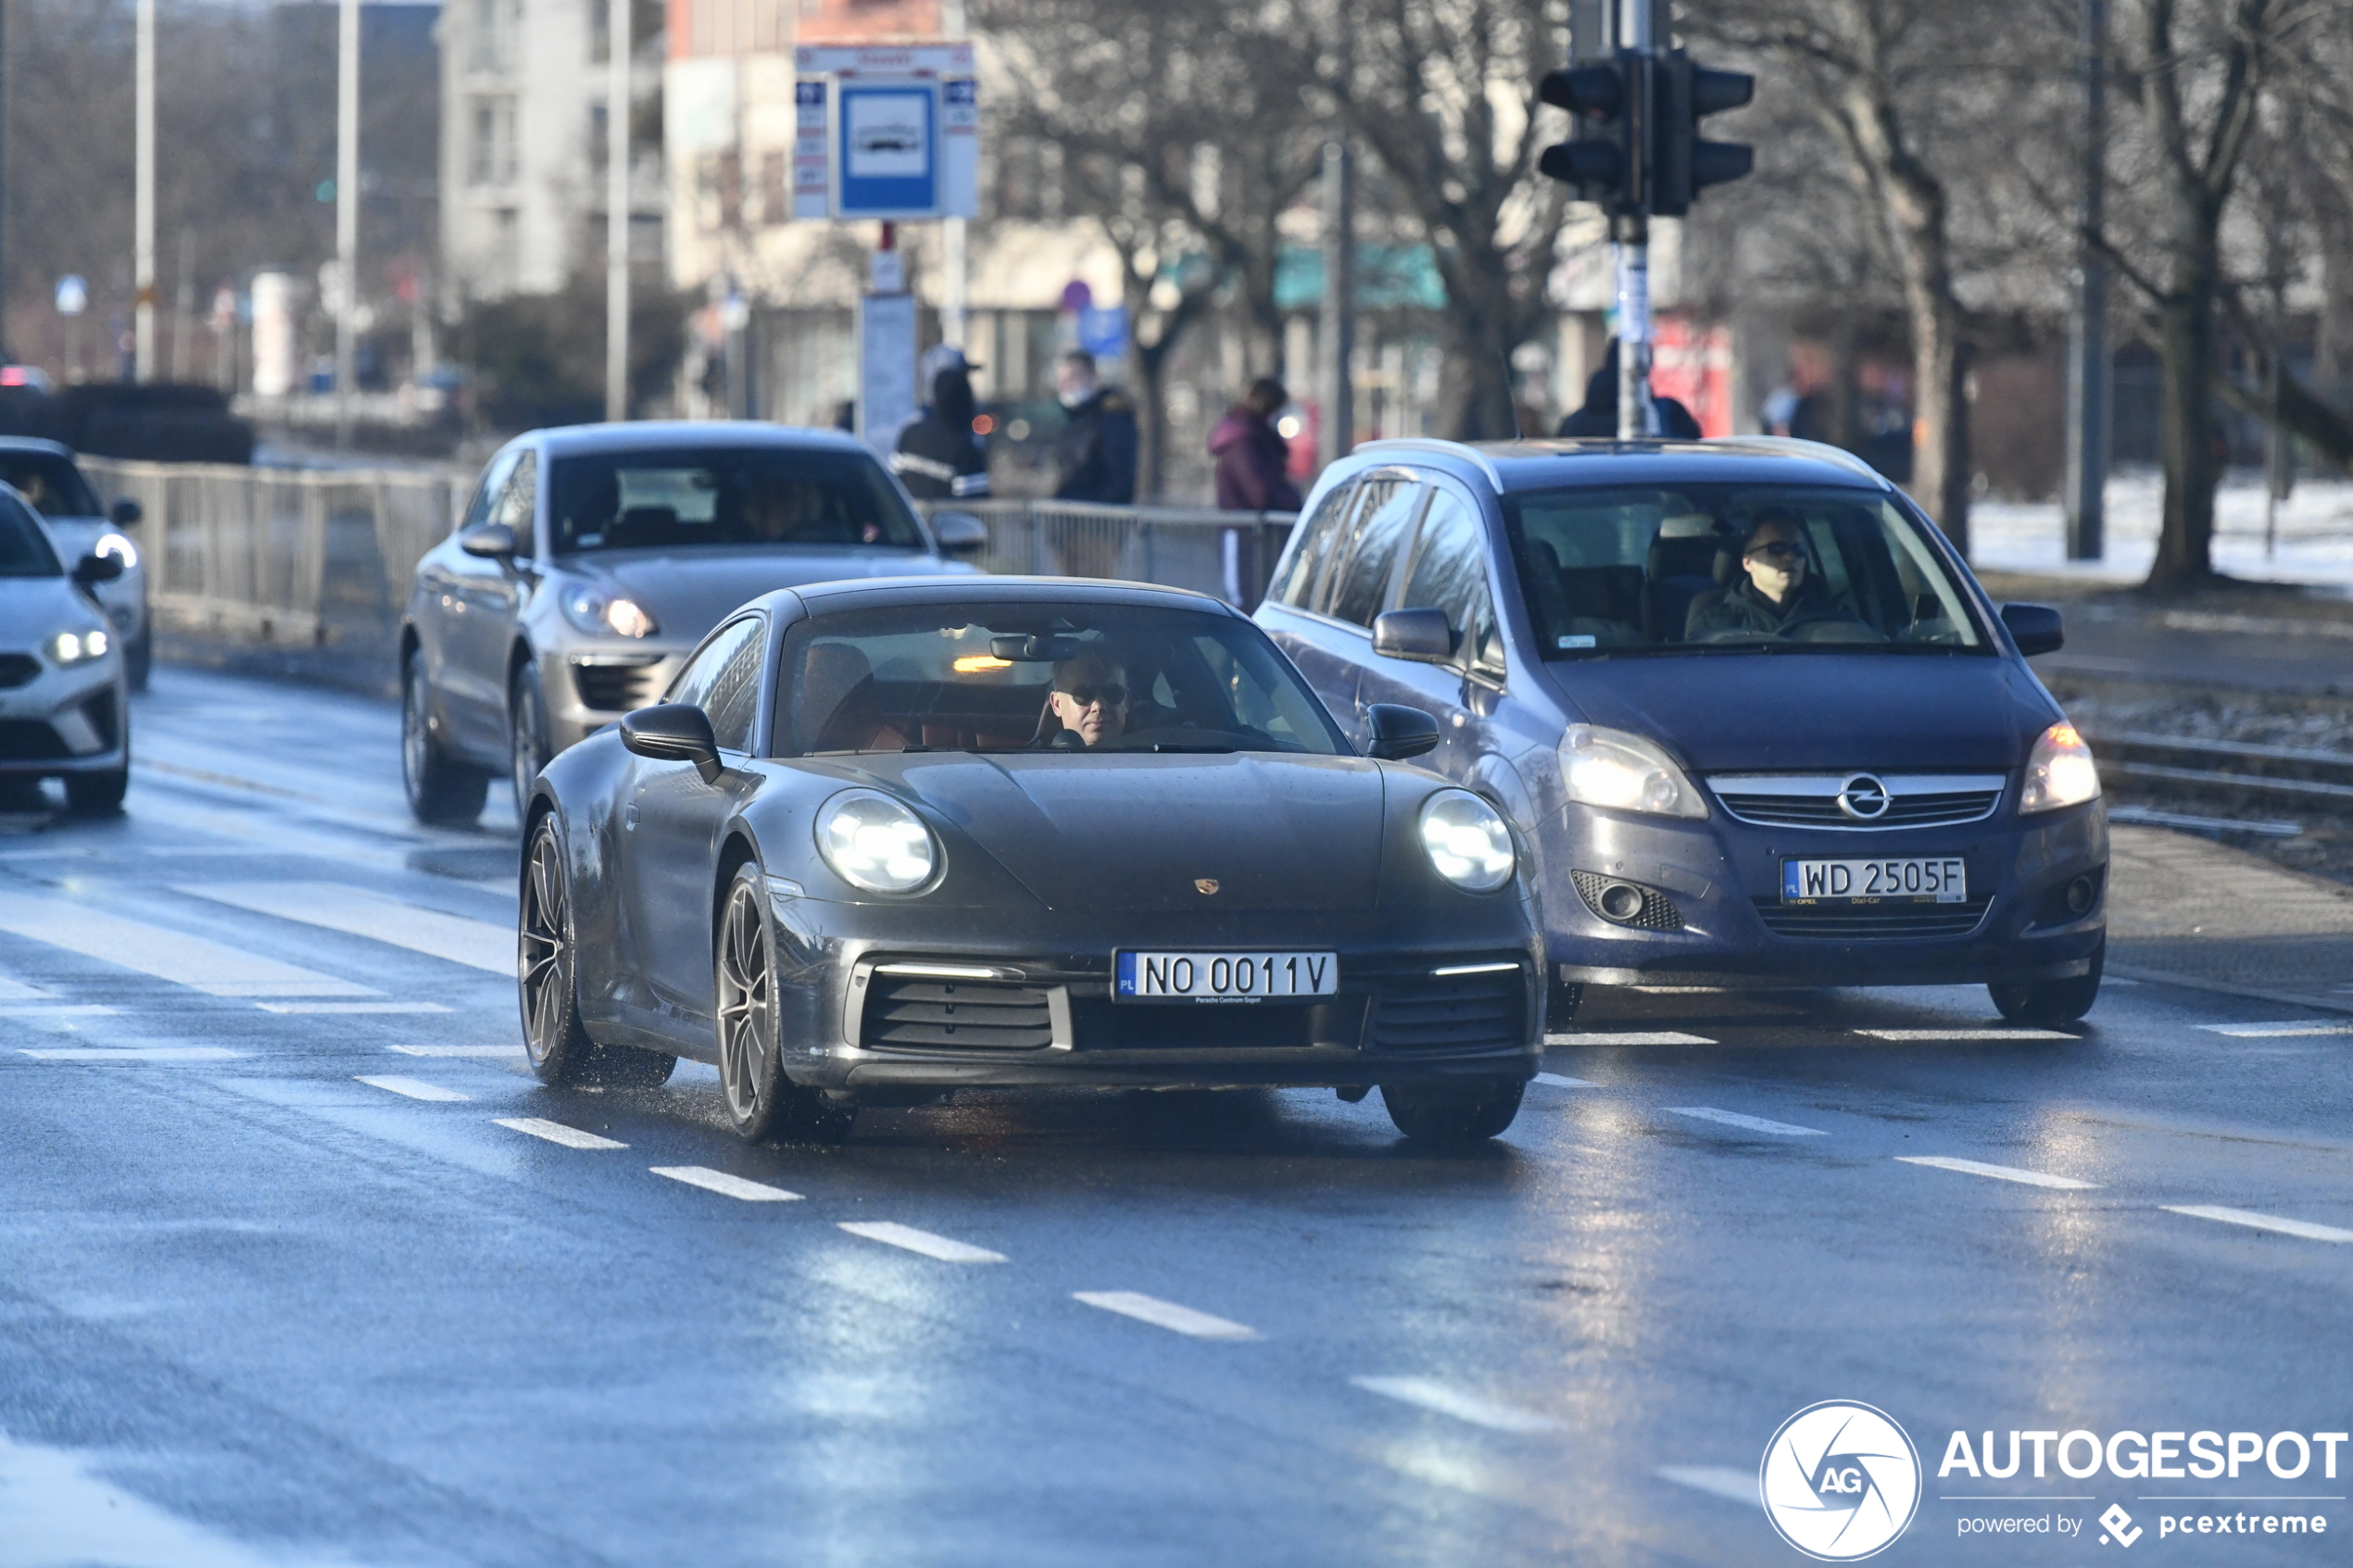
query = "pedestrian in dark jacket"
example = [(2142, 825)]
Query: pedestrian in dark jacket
[(1599, 416), (1253, 460), (1095, 455), (938, 457)]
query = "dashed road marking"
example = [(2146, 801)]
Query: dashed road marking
[(1607, 1038), (1747, 1124), (1967, 1034), (352, 1007), (415, 1088), (556, 1132), (17, 991), (134, 1053), (498, 1052), (2277, 1031), (1739, 1485), (1998, 1172), (2304, 1228), (57, 1009), (1165, 1315), (1558, 1081), (1431, 1395), (358, 912), (891, 1233), (193, 962), (720, 1182)]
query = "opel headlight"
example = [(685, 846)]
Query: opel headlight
[(1625, 772), (70, 648), (1468, 842), (123, 549), (2059, 773), (873, 842), (601, 614)]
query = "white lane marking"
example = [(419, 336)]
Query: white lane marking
[(352, 1007), (134, 1053), (2276, 1031), (894, 1234), (1968, 1034), (415, 1088), (1748, 1124), (59, 1009), (1164, 1315), (1739, 1485), (720, 1182), (1998, 1172), (1558, 1081), (2304, 1228), (1602, 1037), (60, 1509), (193, 961), (556, 1132), (358, 912), (502, 1052), (1431, 1395), (17, 991)]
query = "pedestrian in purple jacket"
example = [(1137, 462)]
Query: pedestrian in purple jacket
[(1252, 458)]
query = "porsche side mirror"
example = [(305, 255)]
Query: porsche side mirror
[(125, 512), (2035, 628), (492, 541), (1400, 731), (673, 732), (960, 534), (91, 571), (1421, 635)]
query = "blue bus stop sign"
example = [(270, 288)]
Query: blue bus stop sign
[(886, 150)]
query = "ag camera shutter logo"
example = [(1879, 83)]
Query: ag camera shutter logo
[(1840, 1481)]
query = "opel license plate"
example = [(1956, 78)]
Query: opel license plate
[(1223, 977), (1942, 880)]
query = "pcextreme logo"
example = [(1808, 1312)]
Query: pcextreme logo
[(1840, 1480)]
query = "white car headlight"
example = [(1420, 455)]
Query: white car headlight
[(601, 614), (873, 842), (1467, 841), (1625, 772), (2059, 772), (123, 549), (68, 650)]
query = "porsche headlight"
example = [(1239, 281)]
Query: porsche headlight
[(1468, 842), (2059, 772), (123, 549), (601, 614), (873, 842), (68, 650), (1625, 772)]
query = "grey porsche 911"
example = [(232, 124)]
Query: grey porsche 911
[(884, 840)]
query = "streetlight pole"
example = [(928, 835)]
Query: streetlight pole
[(346, 210), (617, 107), (1630, 242), (956, 301), (2087, 357), (1338, 433), (142, 222)]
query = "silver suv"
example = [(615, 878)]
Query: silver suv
[(591, 561)]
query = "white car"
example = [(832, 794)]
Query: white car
[(65, 704), (45, 475)]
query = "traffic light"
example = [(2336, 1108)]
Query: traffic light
[(1681, 164), (1603, 161)]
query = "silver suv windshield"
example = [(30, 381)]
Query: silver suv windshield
[(682, 498), (1707, 568)]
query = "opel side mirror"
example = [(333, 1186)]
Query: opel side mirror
[(1422, 635), (960, 534), (1400, 731), (2035, 628), (674, 732)]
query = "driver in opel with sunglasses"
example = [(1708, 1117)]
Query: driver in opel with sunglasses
[(1776, 596), (1090, 699)]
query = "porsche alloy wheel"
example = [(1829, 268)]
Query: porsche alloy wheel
[(441, 790), (547, 973), (761, 1101)]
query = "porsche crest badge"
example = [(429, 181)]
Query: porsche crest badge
[(1205, 884)]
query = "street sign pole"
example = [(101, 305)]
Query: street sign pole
[(142, 218), (2087, 357), (1336, 435), (617, 110), (1630, 237), (346, 210)]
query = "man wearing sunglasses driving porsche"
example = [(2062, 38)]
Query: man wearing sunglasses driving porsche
[(1090, 699), (1777, 594)]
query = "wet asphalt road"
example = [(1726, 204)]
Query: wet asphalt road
[(263, 1304)]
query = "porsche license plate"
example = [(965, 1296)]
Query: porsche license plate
[(1940, 880), (1223, 977)]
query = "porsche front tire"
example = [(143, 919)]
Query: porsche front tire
[(442, 791), (751, 1086), (1453, 1114), (548, 976)]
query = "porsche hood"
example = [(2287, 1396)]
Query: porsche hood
[(1141, 831)]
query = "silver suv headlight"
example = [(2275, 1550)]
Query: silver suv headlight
[(68, 650), (874, 842), (603, 614), (1467, 841), (1625, 772)]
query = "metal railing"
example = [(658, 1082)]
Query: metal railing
[(1228, 555), (284, 557)]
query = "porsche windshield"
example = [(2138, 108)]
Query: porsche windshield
[(1045, 677), (671, 497), (1732, 567)]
